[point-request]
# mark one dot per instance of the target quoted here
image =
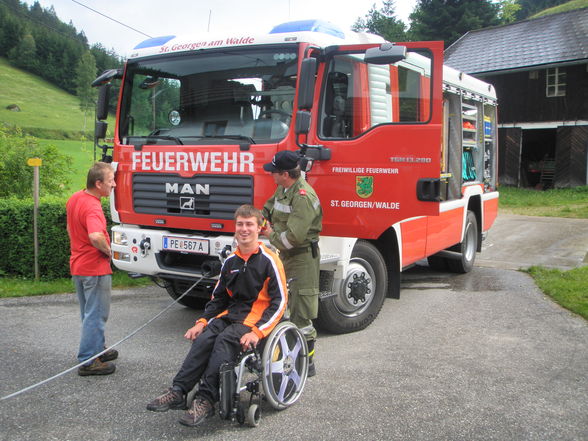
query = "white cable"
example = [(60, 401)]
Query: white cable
[(105, 350)]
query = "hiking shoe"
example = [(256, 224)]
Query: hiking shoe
[(198, 412), (111, 354), (97, 367), (171, 399)]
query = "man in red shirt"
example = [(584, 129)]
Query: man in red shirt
[(90, 266)]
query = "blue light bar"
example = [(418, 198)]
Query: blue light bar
[(152, 42), (309, 26)]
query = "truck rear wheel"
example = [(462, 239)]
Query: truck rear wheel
[(437, 263), (175, 288), (359, 296), (467, 247)]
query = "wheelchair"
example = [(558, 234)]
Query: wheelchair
[(276, 372)]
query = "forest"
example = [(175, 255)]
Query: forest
[(448, 20), (36, 40)]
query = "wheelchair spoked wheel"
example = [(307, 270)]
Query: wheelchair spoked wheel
[(285, 365)]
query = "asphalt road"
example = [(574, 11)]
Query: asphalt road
[(481, 356)]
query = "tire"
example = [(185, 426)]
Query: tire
[(175, 288), (467, 247), (360, 295), (253, 415), (438, 263), (285, 365)]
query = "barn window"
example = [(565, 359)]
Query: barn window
[(556, 82)]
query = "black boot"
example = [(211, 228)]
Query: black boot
[(311, 368)]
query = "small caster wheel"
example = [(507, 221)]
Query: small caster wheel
[(253, 415)]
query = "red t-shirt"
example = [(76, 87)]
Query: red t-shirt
[(85, 216)]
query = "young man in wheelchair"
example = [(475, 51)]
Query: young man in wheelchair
[(247, 303)]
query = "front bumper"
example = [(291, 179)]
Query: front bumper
[(142, 252)]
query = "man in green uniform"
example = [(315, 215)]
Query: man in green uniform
[(295, 216)]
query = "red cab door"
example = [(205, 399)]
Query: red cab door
[(382, 123)]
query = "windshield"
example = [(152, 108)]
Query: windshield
[(231, 94)]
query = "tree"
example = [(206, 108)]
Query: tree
[(508, 11), (382, 22), (16, 177), (11, 31), (448, 20), (85, 74), (24, 54), (51, 48)]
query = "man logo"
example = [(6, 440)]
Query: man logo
[(187, 188), (186, 203)]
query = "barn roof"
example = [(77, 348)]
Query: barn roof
[(552, 39)]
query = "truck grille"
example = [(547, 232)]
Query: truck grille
[(204, 196)]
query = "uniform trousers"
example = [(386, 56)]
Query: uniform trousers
[(303, 269), (219, 343)]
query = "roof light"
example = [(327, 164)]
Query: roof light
[(152, 42), (309, 26)]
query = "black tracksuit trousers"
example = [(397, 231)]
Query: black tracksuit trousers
[(218, 344)]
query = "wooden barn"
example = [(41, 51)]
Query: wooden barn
[(539, 68)]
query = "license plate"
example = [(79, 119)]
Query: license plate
[(198, 246)]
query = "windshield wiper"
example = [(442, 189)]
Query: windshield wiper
[(150, 139), (166, 137), (140, 141), (239, 137)]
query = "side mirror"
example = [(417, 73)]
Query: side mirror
[(100, 130), (306, 83), (102, 104), (302, 126), (387, 53), (107, 76)]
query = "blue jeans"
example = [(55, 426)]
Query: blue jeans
[(94, 297)]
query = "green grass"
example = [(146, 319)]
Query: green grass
[(565, 202), (17, 287), (568, 288), (46, 111), (569, 6), (82, 154), (42, 105)]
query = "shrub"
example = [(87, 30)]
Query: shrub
[(16, 176), (16, 235)]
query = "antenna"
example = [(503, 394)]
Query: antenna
[(209, 15)]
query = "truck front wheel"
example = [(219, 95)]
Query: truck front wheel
[(175, 288), (359, 296)]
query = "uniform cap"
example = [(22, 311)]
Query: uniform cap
[(284, 160)]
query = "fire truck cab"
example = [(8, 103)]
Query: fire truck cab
[(400, 149)]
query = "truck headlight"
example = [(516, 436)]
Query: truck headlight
[(119, 238), (117, 255)]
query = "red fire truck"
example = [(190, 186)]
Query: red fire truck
[(400, 149)]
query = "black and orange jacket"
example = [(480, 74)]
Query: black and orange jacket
[(252, 292)]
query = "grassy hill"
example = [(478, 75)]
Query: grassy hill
[(50, 114), (45, 110), (569, 6)]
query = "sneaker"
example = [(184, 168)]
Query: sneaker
[(198, 412), (97, 367), (111, 354), (171, 399)]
